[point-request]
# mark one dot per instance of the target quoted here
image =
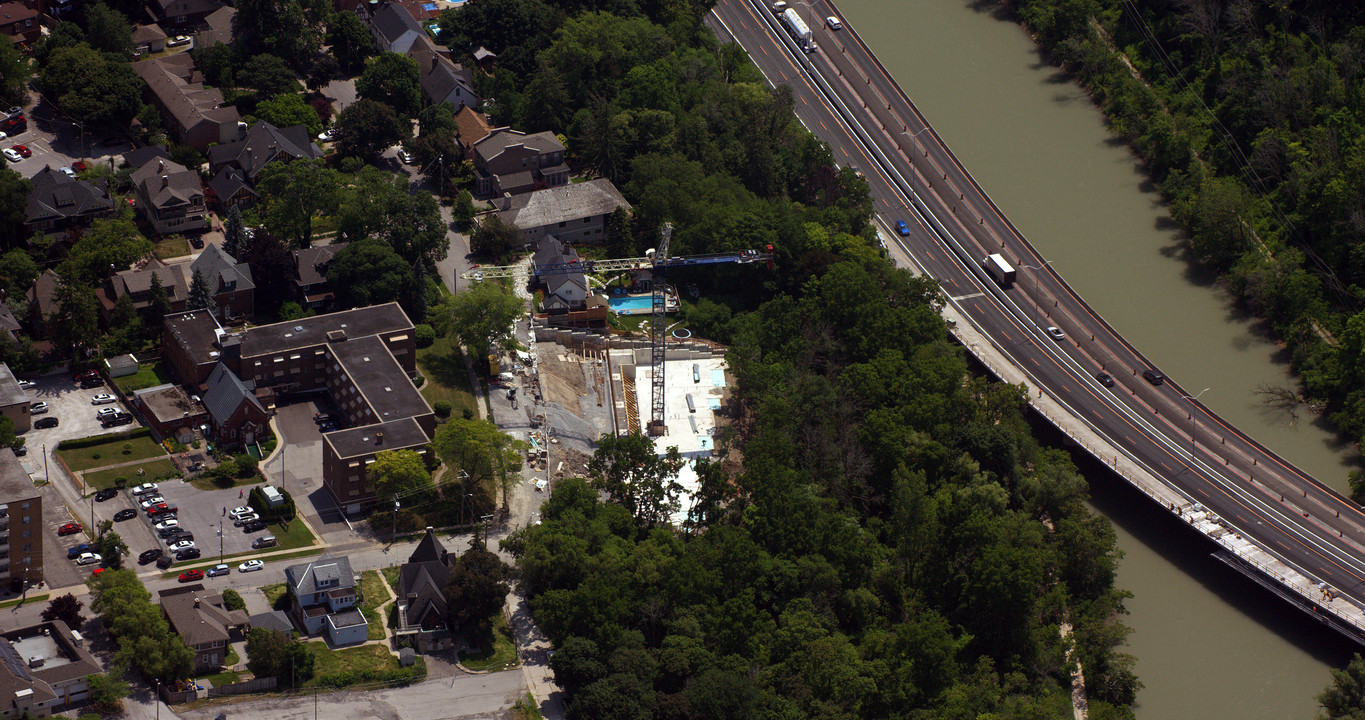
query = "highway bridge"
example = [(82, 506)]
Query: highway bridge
[(1271, 521)]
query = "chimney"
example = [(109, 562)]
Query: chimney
[(507, 201), (379, 438), (160, 165), (196, 603), (165, 180)]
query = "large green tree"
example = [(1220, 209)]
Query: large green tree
[(108, 30), (379, 204), (14, 190), (108, 246), (289, 29), (480, 452), (633, 473), (74, 322), (393, 79), (293, 193), (65, 608), (287, 110), (274, 654), (15, 72), (200, 296), (366, 127), (90, 87), (351, 41), (481, 317), (398, 472), (269, 75), (368, 272), (476, 592), (494, 239)]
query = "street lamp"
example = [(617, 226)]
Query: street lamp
[(914, 137), (1194, 419), (1037, 299)]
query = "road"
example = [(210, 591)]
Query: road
[(848, 99)]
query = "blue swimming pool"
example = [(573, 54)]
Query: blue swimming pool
[(634, 304)]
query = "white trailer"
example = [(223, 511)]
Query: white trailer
[(999, 268), (799, 30)]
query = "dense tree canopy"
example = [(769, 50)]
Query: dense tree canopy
[(393, 79), (287, 110), (91, 87), (293, 194), (368, 272), (289, 29), (366, 127), (350, 40)]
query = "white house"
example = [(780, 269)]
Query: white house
[(325, 599)]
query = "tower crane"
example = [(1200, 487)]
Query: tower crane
[(658, 262)]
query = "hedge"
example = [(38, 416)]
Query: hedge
[(346, 678), (101, 439), (272, 514)]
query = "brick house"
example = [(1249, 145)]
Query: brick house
[(235, 416), (193, 114), (201, 620), (509, 161)]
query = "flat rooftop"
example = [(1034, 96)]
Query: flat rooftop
[(15, 484), (693, 433), (10, 392), (308, 332), (43, 646), (402, 434), (381, 380), (168, 403), (196, 332)]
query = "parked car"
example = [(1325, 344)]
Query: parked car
[(327, 135), (264, 541), (12, 156), (145, 488), (250, 566), (106, 412), (191, 575), (149, 556), (405, 156), (254, 526), (167, 524), (26, 384), (69, 529), (44, 423), (182, 545), (103, 399), (126, 514), (247, 518), (67, 172), (189, 554), (37, 408), (217, 570), (75, 552), (89, 559), (178, 40), (90, 382), (164, 561), (82, 375), (179, 535), (157, 509), (106, 494), (149, 500), (118, 418), (23, 150), (20, 451), (79, 166), (240, 511)]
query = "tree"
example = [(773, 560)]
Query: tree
[(14, 190), (74, 323), (1344, 699), (351, 42), (368, 272), (399, 472), (107, 691), (268, 75), (475, 593), (288, 29), (200, 296), (494, 239), (631, 471), (17, 273), (91, 88), (112, 548), (481, 317), (482, 451), (234, 233), (232, 600), (293, 193), (462, 210), (380, 205), (65, 608), (272, 269), (291, 310), (15, 72), (287, 110), (393, 79), (64, 34), (218, 62), (107, 30), (365, 127), (275, 654), (109, 245), (8, 438), (159, 302)]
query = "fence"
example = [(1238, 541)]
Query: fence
[(248, 686)]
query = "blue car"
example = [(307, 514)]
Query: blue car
[(902, 228), (75, 552)]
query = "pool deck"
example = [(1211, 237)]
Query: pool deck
[(670, 304)]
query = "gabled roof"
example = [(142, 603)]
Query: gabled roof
[(228, 182), (56, 195), (263, 143), (14, 12), (392, 20), (421, 590), (501, 140), (310, 264), (177, 86), (43, 291), (226, 392), (194, 616), (444, 77), (183, 7), (483, 53), (303, 578), (551, 206), (136, 282), (471, 126), (429, 550), (139, 157), (165, 183), (143, 34), (221, 270)]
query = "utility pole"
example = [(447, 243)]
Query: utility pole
[(220, 536), (394, 531), (46, 479)]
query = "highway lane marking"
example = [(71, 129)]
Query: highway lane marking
[(960, 298)]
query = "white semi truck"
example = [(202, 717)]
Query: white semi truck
[(796, 26), (999, 268)]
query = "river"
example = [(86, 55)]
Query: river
[(1208, 644)]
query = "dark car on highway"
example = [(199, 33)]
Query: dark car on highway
[(149, 556), (125, 514), (1105, 379), (106, 494), (47, 422)]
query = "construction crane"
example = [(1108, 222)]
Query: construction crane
[(658, 262)]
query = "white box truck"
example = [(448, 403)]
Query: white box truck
[(798, 29), (999, 268)]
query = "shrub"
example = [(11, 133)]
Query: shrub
[(120, 482), (442, 408), (272, 514), (102, 439), (246, 465), (467, 413), (127, 448), (226, 469), (232, 600), (424, 335)]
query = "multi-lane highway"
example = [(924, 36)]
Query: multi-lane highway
[(847, 98)]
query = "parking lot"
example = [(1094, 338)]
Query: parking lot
[(201, 512), (71, 406), (58, 143)]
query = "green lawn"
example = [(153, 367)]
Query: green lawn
[(29, 599), (172, 247), (153, 471), (297, 536), (273, 593), (375, 593), (502, 654), (110, 453), (220, 679), (443, 366), (391, 576), (363, 662), (147, 375), (526, 709)]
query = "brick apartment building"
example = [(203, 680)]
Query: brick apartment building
[(21, 525)]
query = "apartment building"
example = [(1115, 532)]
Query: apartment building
[(21, 525)]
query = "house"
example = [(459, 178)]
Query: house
[(395, 29), (19, 23), (44, 668), (14, 400), (471, 126), (228, 188), (42, 301), (509, 161), (422, 606), (203, 622), (169, 412), (324, 599), (229, 281), (148, 38), (262, 144), (58, 200), (170, 196), (9, 325), (217, 28), (236, 417), (310, 273), (563, 290), (443, 80), (193, 114), (275, 620), (138, 285), (181, 14), (194, 344), (138, 157), (23, 529), (572, 213), (486, 59)]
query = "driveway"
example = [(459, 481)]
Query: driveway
[(297, 467), (57, 142), (341, 93), (71, 406)]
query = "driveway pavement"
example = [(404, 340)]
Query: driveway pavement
[(71, 406), (204, 513), (298, 468), (341, 93), (58, 142)]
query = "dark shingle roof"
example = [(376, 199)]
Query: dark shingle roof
[(56, 195), (221, 270), (494, 145), (139, 157), (226, 392), (274, 620), (228, 182), (263, 143), (164, 183), (310, 264), (392, 20), (173, 80), (303, 578)]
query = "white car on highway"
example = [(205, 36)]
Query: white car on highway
[(103, 399), (250, 566)]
